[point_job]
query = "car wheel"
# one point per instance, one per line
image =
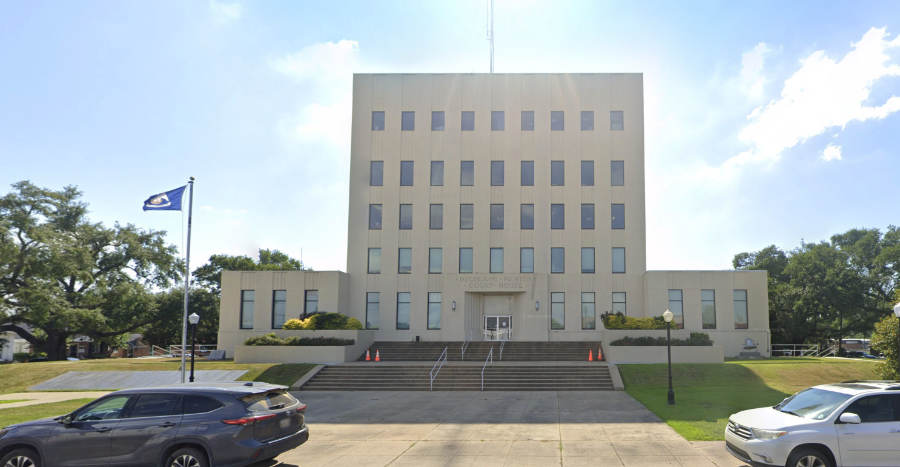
(187, 457)
(21, 458)
(809, 457)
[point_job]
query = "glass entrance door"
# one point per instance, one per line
(497, 327)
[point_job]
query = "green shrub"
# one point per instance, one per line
(28, 357)
(620, 321)
(884, 340)
(272, 339)
(696, 339)
(294, 324)
(353, 323)
(328, 321)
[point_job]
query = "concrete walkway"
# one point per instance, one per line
(100, 380)
(46, 397)
(605, 428)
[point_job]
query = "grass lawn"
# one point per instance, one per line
(34, 412)
(706, 394)
(10, 401)
(17, 377)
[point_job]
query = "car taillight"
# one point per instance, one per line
(248, 420)
(302, 408)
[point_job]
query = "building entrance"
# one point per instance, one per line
(497, 328)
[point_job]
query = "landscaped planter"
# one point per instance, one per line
(307, 353)
(657, 354)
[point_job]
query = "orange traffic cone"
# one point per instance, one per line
(377, 356)
(590, 355)
(368, 356)
(599, 354)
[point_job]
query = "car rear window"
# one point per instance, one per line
(200, 404)
(272, 400)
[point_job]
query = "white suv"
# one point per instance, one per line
(856, 423)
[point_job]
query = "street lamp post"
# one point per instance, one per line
(667, 315)
(194, 318)
(897, 313)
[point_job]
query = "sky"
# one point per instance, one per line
(765, 122)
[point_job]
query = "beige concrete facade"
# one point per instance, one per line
(384, 131)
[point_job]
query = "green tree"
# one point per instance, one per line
(167, 328)
(209, 275)
(62, 275)
(884, 341)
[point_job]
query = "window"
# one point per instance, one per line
(587, 122)
(468, 121)
(437, 120)
(406, 216)
(279, 300)
(617, 173)
(557, 173)
(877, 408)
(587, 216)
(310, 302)
(496, 260)
(557, 260)
(618, 260)
(402, 310)
(378, 120)
(374, 261)
(557, 310)
(248, 297)
(526, 260)
(436, 216)
(617, 214)
(467, 173)
(435, 260)
(708, 308)
(404, 261)
(741, 320)
(496, 173)
(374, 217)
(376, 173)
(108, 408)
(588, 311)
(618, 302)
(498, 122)
(528, 120)
(199, 404)
(155, 405)
(407, 120)
(406, 173)
(466, 216)
(527, 173)
(616, 120)
(434, 310)
(557, 120)
(557, 216)
(677, 308)
(587, 173)
(496, 217)
(437, 173)
(373, 303)
(526, 216)
(587, 260)
(465, 260)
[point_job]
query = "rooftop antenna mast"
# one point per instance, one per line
(490, 30)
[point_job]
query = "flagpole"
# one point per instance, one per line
(187, 279)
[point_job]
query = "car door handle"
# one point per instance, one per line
(168, 424)
(102, 429)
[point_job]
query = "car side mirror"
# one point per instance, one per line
(848, 417)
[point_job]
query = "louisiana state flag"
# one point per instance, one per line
(166, 201)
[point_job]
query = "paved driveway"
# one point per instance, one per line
(606, 428)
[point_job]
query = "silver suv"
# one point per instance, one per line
(855, 423)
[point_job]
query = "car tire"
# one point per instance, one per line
(22, 457)
(809, 457)
(186, 457)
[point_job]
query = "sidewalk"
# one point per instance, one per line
(46, 397)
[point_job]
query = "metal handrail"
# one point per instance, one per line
(435, 369)
(795, 350)
(502, 344)
(490, 357)
(462, 350)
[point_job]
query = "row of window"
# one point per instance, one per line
(526, 260)
(557, 308)
(498, 120)
(498, 177)
(497, 216)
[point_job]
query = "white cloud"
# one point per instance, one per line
(225, 12)
(821, 95)
(752, 80)
(832, 152)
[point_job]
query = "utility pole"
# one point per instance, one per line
(490, 30)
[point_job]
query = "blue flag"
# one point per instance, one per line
(168, 201)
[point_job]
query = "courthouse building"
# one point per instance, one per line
(498, 206)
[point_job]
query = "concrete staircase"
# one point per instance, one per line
(513, 351)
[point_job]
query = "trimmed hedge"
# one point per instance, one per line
(327, 321)
(696, 339)
(620, 321)
(272, 339)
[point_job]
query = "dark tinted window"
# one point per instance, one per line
(587, 120)
(527, 173)
(528, 120)
(104, 409)
(498, 123)
(557, 173)
(374, 217)
(406, 173)
(496, 173)
(437, 173)
(616, 120)
(466, 216)
(557, 260)
(879, 408)
(587, 216)
(200, 404)
(407, 121)
(526, 214)
(557, 216)
(617, 213)
(406, 216)
(437, 120)
(468, 120)
(587, 173)
(557, 120)
(376, 173)
(617, 173)
(436, 217)
(467, 173)
(378, 120)
(496, 216)
(155, 405)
